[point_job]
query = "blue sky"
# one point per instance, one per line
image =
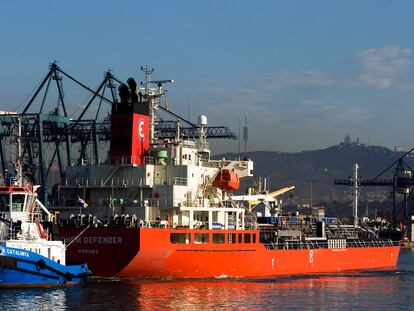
(306, 72)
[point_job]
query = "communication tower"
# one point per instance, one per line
(245, 134)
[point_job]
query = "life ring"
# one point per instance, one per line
(40, 265)
(68, 276)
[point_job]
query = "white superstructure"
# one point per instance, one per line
(174, 185)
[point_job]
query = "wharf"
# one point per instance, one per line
(409, 244)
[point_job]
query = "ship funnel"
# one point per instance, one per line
(130, 121)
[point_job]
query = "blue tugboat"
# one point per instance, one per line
(31, 255)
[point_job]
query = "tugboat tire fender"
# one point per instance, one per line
(40, 265)
(68, 276)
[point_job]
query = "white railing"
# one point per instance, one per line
(119, 181)
(212, 163)
(114, 160)
(324, 244)
(197, 225)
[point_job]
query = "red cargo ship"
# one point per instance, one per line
(162, 208)
(149, 253)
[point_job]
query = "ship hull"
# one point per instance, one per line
(24, 268)
(149, 253)
(107, 250)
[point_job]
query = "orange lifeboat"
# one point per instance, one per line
(227, 180)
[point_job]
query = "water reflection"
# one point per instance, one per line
(341, 292)
(379, 290)
(347, 291)
(33, 299)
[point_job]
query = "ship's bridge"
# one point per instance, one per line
(15, 202)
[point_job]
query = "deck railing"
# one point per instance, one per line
(324, 244)
(119, 182)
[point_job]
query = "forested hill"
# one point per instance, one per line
(321, 167)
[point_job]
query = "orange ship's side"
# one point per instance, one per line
(183, 253)
(159, 258)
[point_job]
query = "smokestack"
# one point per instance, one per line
(130, 138)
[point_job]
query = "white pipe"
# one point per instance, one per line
(49, 215)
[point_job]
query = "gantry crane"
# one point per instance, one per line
(49, 138)
(401, 183)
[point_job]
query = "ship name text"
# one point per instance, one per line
(93, 240)
(17, 252)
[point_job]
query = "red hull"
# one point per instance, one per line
(108, 250)
(149, 253)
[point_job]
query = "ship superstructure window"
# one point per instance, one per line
(240, 238)
(18, 202)
(254, 237)
(4, 202)
(180, 238)
(201, 238)
(247, 238)
(218, 238)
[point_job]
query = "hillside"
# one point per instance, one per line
(321, 167)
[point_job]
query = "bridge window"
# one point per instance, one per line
(201, 238)
(18, 202)
(4, 202)
(218, 238)
(180, 238)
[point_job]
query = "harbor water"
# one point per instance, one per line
(376, 290)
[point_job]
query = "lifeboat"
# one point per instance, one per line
(227, 180)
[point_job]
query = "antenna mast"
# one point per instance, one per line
(245, 134)
(18, 165)
(152, 96)
(153, 105)
(355, 194)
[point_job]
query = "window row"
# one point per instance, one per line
(214, 238)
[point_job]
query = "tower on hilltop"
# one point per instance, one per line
(347, 139)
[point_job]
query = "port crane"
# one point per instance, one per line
(401, 183)
(53, 140)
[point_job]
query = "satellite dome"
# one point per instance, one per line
(202, 120)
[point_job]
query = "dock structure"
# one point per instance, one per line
(54, 140)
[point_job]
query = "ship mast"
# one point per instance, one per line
(18, 164)
(355, 194)
(153, 105)
(152, 96)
